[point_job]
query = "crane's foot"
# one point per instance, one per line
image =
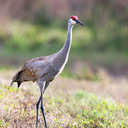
(45, 123)
(37, 111)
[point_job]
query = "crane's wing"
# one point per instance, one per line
(32, 70)
(39, 66)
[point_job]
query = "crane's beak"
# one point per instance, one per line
(79, 22)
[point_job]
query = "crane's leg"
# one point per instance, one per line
(37, 111)
(42, 106)
(43, 85)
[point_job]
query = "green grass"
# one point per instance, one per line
(89, 111)
(22, 38)
(75, 110)
(22, 41)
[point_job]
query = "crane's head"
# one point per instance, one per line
(74, 19)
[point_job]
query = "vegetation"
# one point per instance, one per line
(27, 40)
(23, 41)
(26, 37)
(40, 29)
(75, 110)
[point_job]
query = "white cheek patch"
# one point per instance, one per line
(73, 22)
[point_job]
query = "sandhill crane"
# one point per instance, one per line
(43, 70)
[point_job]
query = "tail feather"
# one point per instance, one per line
(11, 83)
(17, 78)
(19, 83)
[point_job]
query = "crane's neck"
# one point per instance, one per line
(61, 57)
(66, 48)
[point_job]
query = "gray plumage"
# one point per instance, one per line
(43, 70)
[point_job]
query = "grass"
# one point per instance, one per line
(77, 109)
(21, 40)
